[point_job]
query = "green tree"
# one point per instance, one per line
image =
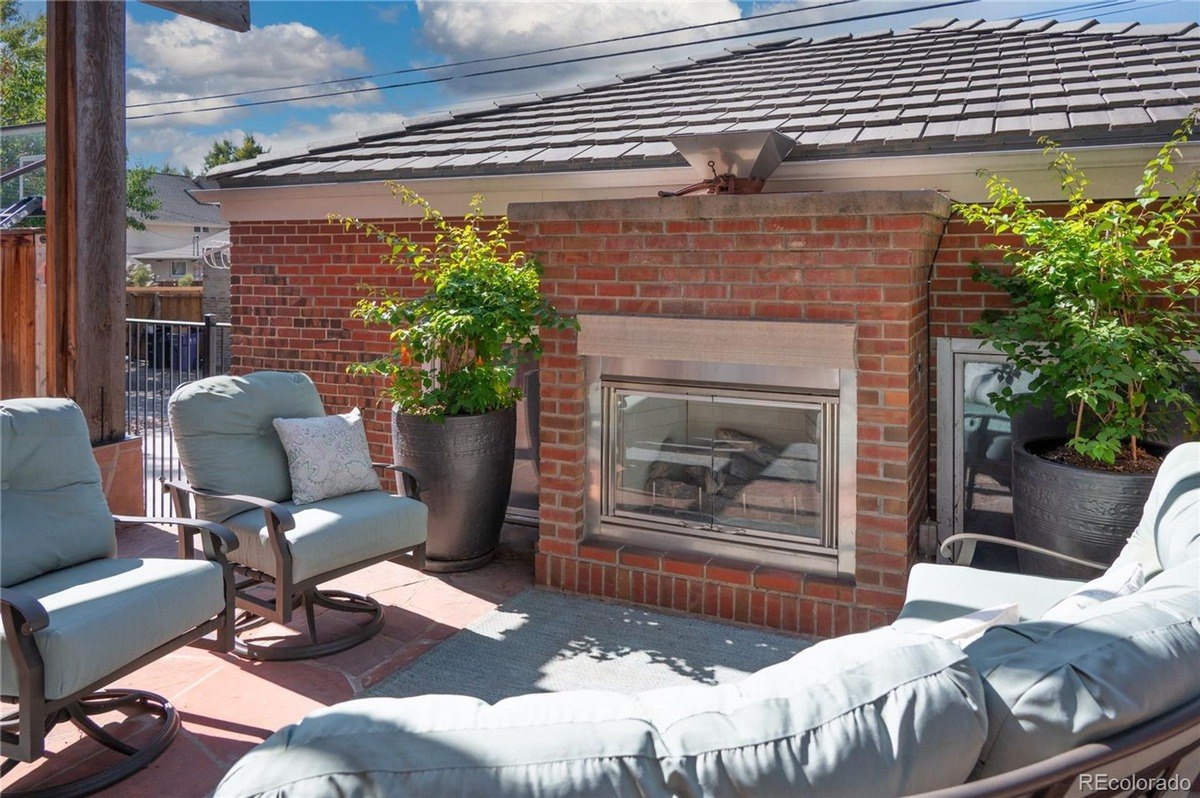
(140, 201)
(1101, 301)
(22, 98)
(139, 274)
(23, 101)
(22, 66)
(225, 151)
(168, 169)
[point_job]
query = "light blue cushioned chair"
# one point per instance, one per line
(237, 475)
(76, 617)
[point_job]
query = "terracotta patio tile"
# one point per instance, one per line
(229, 705)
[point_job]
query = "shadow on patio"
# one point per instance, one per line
(228, 705)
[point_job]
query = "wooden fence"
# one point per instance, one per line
(23, 321)
(176, 303)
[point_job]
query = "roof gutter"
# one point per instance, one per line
(1114, 170)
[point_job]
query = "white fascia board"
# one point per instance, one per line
(1114, 172)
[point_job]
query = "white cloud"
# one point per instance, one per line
(181, 57)
(337, 125)
(388, 14)
(188, 148)
(463, 31)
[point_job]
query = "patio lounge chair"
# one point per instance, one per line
(237, 475)
(76, 617)
(1025, 710)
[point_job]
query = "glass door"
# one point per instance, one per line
(723, 464)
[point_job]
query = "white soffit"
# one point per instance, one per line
(1113, 170)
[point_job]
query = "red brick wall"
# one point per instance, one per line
(293, 285)
(295, 282)
(861, 258)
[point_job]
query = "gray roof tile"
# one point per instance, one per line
(944, 84)
(176, 204)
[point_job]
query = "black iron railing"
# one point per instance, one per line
(159, 357)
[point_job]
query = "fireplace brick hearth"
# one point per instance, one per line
(859, 257)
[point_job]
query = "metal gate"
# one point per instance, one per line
(159, 357)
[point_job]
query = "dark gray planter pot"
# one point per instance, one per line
(465, 469)
(1076, 511)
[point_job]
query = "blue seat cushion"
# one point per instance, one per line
(105, 614)
(333, 533)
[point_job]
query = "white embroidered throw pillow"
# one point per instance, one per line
(1119, 580)
(327, 456)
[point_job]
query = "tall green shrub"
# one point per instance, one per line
(456, 348)
(1103, 308)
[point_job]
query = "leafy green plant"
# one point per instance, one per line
(186, 281)
(455, 349)
(1103, 308)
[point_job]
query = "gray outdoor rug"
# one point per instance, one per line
(540, 641)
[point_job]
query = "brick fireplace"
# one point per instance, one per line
(828, 287)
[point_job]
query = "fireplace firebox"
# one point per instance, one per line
(738, 460)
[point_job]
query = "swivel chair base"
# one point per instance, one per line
(80, 713)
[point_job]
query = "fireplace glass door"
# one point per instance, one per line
(720, 464)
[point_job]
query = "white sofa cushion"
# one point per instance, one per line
(1053, 686)
(1118, 580)
(939, 593)
(1168, 533)
(881, 713)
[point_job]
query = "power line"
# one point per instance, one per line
(1102, 4)
(491, 59)
(575, 60)
(1140, 8)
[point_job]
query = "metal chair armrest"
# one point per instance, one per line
(283, 517)
(224, 539)
(412, 486)
(28, 613)
(968, 552)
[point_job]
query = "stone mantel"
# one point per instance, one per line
(766, 343)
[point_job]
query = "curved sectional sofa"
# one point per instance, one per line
(894, 711)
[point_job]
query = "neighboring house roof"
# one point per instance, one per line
(177, 205)
(940, 86)
(189, 251)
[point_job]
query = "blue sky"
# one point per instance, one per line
(298, 42)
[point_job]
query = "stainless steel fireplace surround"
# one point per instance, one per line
(750, 462)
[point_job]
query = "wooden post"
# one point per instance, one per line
(85, 184)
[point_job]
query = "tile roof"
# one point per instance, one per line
(176, 204)
(940, 86)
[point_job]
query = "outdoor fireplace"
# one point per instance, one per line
(736, 459)
(740, 427)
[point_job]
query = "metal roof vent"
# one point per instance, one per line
(731, 162)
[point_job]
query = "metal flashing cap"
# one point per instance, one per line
(753, 154)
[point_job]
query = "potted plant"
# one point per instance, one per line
(1103, 315)
(454, 352)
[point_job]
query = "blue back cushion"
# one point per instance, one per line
(225, 438)
(52, 508)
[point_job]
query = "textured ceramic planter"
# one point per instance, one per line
(465, 469)
(1076, 511)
